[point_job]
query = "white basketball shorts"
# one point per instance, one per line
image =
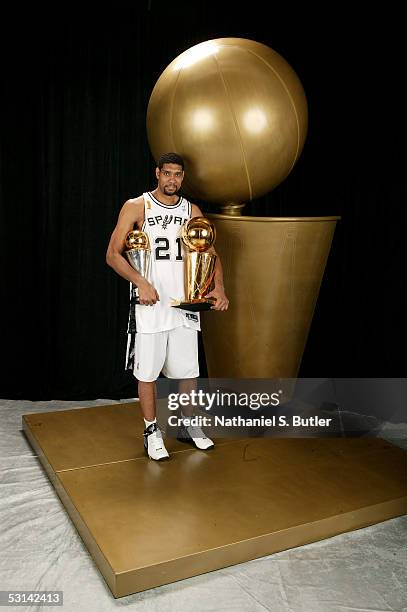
(173, 352)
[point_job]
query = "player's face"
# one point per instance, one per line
(170, 178)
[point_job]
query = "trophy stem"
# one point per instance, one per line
(232, 208)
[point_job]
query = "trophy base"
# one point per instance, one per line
(196, 305)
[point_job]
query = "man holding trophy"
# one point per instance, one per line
(172, 266)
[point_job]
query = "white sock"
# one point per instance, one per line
(148, 423)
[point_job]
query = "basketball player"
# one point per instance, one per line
(166, 339)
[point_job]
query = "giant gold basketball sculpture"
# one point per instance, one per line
(236, 111)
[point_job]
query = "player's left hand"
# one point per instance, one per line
(222, 301)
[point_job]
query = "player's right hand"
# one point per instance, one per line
(147, 294)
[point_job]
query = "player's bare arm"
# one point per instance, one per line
(218, 292)
(132, 212)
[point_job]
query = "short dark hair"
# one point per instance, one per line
(170, 158)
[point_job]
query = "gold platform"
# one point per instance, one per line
(149, 523)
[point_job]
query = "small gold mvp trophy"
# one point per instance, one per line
(198, 235)
(138, 253)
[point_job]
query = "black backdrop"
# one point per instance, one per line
(74, 148)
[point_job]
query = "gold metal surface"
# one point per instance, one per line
(231, 208)
(198, 234)
(273, 268)
(137, 239)
(147, 523)
(199, 271)
(236, 111)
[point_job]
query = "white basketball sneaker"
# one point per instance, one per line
(154, 443)
(195, 435)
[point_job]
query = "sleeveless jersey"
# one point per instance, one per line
(163, 224)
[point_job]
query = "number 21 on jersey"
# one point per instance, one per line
(163, 251)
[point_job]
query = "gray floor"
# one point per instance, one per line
(365, 570)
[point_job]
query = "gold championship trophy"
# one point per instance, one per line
(198, 235)
(138, 253)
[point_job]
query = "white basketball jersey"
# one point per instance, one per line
(163, 225)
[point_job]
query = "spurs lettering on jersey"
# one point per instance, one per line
(163, 226)
(166, 220)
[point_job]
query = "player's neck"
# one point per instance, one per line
(164, 198)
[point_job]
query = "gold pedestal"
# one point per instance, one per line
(273, 268)
(149, 523)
